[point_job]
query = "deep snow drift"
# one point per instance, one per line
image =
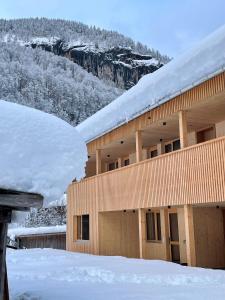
(182, 73)
(38, 152)
(59, 275)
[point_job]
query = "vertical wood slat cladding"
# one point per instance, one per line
(193, 175)
(203, 91)
(82, 200)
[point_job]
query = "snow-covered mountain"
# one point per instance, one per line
(68, 68)
(54, 84)
(117, 64)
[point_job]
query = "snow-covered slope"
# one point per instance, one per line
(54, 84)
(195, 66)
(38, 152)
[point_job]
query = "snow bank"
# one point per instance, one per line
(35, 274)
(14, 232)
(38, 152)
(188, 70)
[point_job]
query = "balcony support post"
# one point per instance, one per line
(139, 146)
(161, 148)
(183, 129)
(98, 162)
(120, 162)
(190, 237)
(165, 231)
(141, 230)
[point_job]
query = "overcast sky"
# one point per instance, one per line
(171, 26)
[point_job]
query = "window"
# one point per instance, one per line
(126, 162)
(172, 146)
(113, 165)
(176, 145)
(153, 226)
(153, 153)
(168, 148)
(81, 227)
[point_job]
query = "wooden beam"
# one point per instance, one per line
(183, 129)
(98, 162)
(190, 237)
(120, 162)
(165, 231)
(20, 200)
(160, 148)
(3, 238)
(141, 230)
(138, 145)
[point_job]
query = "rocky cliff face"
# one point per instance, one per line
(118, 64)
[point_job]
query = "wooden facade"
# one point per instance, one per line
(183, 190)
(44, 240)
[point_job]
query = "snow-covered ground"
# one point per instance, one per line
(60, 275)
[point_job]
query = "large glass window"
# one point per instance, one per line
(153, 226)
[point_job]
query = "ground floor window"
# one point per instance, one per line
(81, 227)
(153, 226)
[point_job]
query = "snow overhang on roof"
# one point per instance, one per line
(204, 61)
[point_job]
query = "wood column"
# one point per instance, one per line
(161, 148)
(5, 218)
(138, 146)
(190, 237)
(183, 129)
(165, 231)
(120, 162)
(141, 230)
(98, 162)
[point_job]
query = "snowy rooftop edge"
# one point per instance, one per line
(156, 88)
(19, 231)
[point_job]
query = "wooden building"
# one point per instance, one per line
(38, 237)
(155, 185)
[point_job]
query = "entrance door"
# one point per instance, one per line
(174, 237)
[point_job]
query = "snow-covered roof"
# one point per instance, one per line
(202, 62)
(18, 231)
(38, 152)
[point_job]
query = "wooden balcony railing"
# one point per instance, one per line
(194, 175)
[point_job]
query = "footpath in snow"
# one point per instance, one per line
(56, 274)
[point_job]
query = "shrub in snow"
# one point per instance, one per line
(38, 152)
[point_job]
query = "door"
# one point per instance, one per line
(174, 237)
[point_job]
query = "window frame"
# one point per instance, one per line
(78, 223)
(157, 227)
(115, 163)
(150, 150)
(171, 144)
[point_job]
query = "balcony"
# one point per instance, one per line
(193, 175)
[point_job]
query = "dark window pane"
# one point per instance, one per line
(126, 162)
(174, 233)
(153, 153)
(117, 165)
(85, 227)
(150, 222)
(158, 220)
(175, 251)
(168, 148)
(78, 227)
(111, 166)
(176, 145)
